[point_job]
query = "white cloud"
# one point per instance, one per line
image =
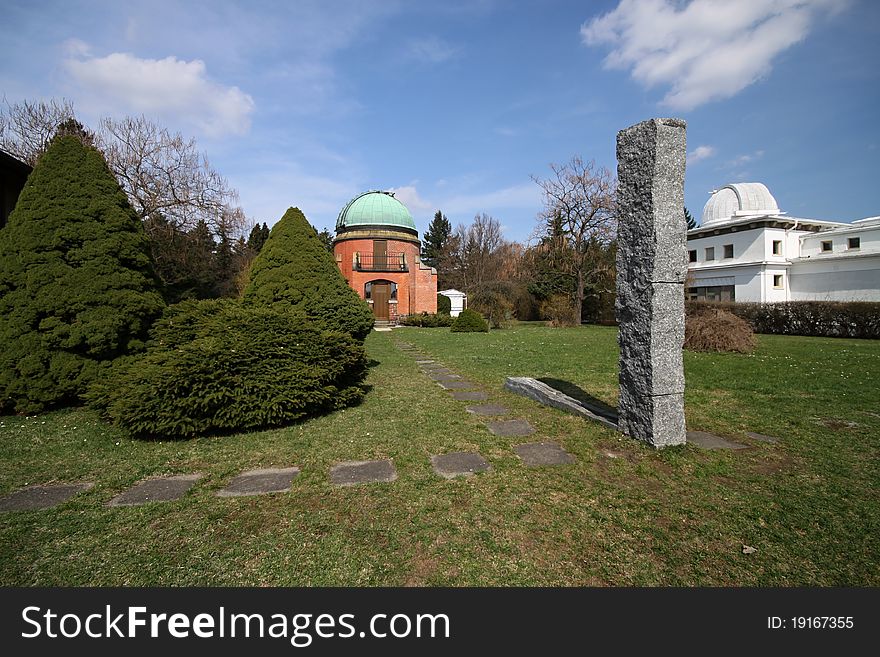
(700, 153)
(171, 89)
(409, 196)
(432, 50)
(707, 50)
(739, 160)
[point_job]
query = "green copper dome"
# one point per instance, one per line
(375, 209)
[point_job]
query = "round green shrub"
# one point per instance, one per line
(295, 270)
(469, 321)
(444, 304)
(220, 365)
(77, 285)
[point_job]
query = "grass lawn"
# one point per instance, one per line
(622, 515)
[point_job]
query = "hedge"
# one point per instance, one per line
(427, 320)
(831, 319)
(220, 366)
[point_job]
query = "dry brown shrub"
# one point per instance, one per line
(711, 329)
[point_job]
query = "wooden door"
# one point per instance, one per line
(381, 295)
(380, 254)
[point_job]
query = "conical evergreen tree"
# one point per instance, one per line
(295, 269)
(77, 286)
(435, 239)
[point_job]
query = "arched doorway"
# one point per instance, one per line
(380, 292)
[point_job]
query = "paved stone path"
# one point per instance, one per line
(459, 464)
(349, 473)
(260, 482)
(536, 454)
(711, 441)
(33, 498)
(156, 489)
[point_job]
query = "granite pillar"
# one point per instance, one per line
(651, 271)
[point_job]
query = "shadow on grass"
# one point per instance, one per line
(577, 393)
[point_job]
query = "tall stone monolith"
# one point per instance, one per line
(651, 270)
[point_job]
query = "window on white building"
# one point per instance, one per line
(777, 281)
(710, 253)
(692, 256)
(777, 247)
(827, 246)
(728, 250)
(854, 243)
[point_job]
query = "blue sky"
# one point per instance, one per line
(456, 104)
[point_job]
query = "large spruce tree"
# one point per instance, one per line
(435, 239)
(77, 286)
(294, 269)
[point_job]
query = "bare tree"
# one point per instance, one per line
(27, 127)
(165, 174)
(578, 220)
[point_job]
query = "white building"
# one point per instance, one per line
(746, 249)
(458, 300)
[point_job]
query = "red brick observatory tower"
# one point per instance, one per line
(378, 250)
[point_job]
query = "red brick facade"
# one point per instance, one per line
(416, 287)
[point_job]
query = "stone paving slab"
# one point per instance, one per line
(707, 440)
(510, 427)
(156, 489)
(424, 361)
(488, 409)
(469, 395)
(537, 454)
(259, 482)
(762, 438)
(443, 377)
(33, 498)
(457, 385)
(459, 464)
(349, 473)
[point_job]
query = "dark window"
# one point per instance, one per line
(777, 247)
(777, 281)
(710, 253)
(827, 246)
(692, 256)
(728, 250)
(854, 242)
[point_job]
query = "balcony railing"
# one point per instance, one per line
(380, 262)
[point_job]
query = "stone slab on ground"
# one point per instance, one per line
(156, 489)
(549, 396)
(443, 377)
(458, 464)
(33, 498)
(349, 473)
(536, 454)
(259, 482)
(457, 385)
(469, 395)
(706, 440)
(488, 409)
(510, 427)
(424, 361)
(760, 437)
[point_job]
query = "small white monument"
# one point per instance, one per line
(458, 300)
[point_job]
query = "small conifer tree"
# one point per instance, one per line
(294, 269)
(77, 285)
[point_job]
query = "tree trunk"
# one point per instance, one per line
(579, 306)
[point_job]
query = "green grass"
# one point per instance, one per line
(622, 515)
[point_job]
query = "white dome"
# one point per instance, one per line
(738, 200)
